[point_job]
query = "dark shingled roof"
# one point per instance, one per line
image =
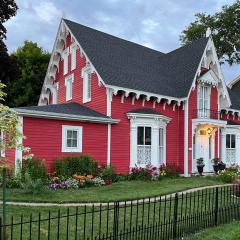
(65, 108)
(145, 111)
(234, 94)
(126, 64)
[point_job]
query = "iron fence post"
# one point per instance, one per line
(175, 216)
(115, 220)
(216, 208)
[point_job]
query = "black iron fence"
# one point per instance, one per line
(168, 217)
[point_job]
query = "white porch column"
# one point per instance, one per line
(186, 138)
(223, 145)
(238, 148)
(155, 147)
(18, 151)
(133, 146)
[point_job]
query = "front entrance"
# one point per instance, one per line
(204, 145)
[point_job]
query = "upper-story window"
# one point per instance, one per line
(69, 87)
(87, 84)
(65, 61)
(204, 101)
(73, 56)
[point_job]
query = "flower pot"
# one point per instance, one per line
(108, 181)
(200, 170)
(216, 169)
(222, 166)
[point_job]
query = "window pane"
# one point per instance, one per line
(74, 143)
(233, 141)
(69, 134)
(69, 143)
(148, 135)
(228, 141)
(74, 135)
(140, 135)
(89, 85)
(160, 137)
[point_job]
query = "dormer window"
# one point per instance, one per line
(204, 101)
(73, 56)
(65, 61)
(69, 87)
(87, 75)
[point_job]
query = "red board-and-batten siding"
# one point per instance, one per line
(192, 106)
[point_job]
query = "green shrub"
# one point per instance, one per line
(36, 168)
(108, 173)
(123, 177)
(14, 182)
(32, 186)
(82, 165)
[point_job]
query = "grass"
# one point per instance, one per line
(120, 191)
(130, 216)
(224, 232)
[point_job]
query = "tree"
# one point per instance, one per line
(8, 64)
(32, 61)
(225, 26)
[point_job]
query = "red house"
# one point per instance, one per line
(126, 104)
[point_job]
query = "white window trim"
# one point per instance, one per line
(73, 50)
(201, 111)
(65, 128)
(69, 82)
(85, 71)
(65, 61)
(155, 122)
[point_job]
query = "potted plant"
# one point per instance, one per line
(215, 162)
(221, 165)
(200, 165)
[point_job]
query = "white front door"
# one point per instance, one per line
(205, 150)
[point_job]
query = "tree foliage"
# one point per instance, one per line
(225, 26)
(32, 62)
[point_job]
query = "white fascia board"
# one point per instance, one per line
(50, 115)
(151, 116)
(232, 82)
(201, 121)
(210, 42)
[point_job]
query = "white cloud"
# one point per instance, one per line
(47, 11)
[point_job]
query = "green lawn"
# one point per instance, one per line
(224, 232)
(98, 220)
(119, 191)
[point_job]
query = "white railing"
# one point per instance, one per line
(143, 154)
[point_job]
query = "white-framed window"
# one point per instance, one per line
(204, 101)
(71, 138)
(69, 87)
(87, 85)
(65, 61)
(144, 142)
(73, 56)
(231, 148)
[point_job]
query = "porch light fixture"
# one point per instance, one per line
(209, 131)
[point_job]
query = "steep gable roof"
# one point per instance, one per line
(129, 65)
(234, 93)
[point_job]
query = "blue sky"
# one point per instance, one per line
(153, 23)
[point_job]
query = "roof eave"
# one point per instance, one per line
(63, 116)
